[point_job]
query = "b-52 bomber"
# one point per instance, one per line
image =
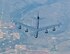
(37, 29)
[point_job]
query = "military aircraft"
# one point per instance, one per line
(20, 25)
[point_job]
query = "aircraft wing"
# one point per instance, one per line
(26, 26)
(48, 27)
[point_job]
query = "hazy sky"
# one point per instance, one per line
(51, 12)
